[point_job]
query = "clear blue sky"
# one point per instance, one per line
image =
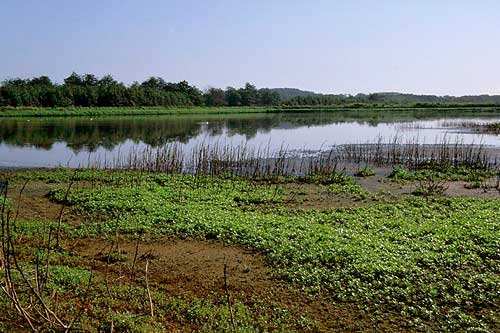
(420, 46)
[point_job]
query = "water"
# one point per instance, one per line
(73, 142)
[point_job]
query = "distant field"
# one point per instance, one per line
(111, 111)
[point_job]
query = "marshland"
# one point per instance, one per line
(249, 166)
(232, 223)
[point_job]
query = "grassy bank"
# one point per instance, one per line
(125, 111)
(347, 256)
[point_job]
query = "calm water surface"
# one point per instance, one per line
(72, 142)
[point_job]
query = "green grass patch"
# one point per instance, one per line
(133, 111)
(441, 172)
(365, 172)
(126, 111)
(63, 278)
(348, 187)
(434, 261)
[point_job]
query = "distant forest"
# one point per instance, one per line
(90, 91)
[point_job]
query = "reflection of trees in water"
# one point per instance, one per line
(90, 135)
(80, 134)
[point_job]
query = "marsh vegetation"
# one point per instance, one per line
(213, 236)
(137, 251)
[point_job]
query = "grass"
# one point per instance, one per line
(432, 261)
(122, 111)
(125, 111)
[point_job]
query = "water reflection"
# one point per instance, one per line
(67, 138)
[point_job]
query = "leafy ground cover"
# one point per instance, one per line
(445, 172)
(431, 262)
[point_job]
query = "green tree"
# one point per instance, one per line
(232, 97)
(214, 97)
(249, 95)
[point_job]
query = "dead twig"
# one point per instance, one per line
(59, 221)
(228, 296)
(149, 291)
(136, 253)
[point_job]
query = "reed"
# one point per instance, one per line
(487, 127)
(217, 159)
(414, 155)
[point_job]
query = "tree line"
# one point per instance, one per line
(391, 99)
(87, 90)
(90, 91)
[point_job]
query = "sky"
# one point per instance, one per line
(443, 47)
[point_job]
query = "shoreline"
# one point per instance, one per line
(155, 111)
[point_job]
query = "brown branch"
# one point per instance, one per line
(62, 212)
(136, 253)
(149, 291)
(228, 296)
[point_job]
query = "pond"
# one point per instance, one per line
(49, 142)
